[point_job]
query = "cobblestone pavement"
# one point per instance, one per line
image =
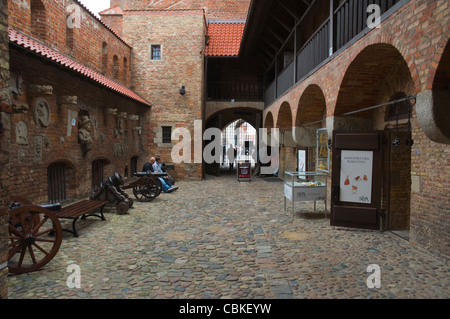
(219, 238)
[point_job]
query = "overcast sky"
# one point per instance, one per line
(96, 5)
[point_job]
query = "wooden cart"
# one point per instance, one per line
(146, 186)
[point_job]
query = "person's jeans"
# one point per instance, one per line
(166, 184)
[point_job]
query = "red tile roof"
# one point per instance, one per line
(26, 42)
(224, 38)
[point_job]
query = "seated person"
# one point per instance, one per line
(166, 184)
(160, 167)
(148, 167)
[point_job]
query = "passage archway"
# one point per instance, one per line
(239, 128)
(377, 76)
(311, 115)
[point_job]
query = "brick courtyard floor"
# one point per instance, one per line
(223, 239)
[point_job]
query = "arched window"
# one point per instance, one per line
(115, 67)
(69, 37)
(38, 20)
(104, 58)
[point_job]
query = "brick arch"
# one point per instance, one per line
(311, 106)
(441, 80)
(284, 118)
(436, 126)
(367, 75)
(268, 121)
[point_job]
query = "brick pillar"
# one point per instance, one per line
(5, 110)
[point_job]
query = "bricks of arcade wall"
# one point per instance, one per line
(87, 39)
(160, 81)
(5, 109)
(419, 31)
(28, 168)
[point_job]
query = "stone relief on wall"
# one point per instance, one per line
(39, 90)
(38, 148)
(16, 90)
(84, 133)
(19, 107)
(42, 112)
(21, 133)
(15, 85)
(21, 155)
(71, 100)
(120, 124)
(118, 150)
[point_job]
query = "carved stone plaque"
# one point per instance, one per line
(38, 148)
(42, 112)
(21, 133)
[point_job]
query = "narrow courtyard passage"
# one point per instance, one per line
(219, 238)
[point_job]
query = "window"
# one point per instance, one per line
(167, 134)
(116, 67)
(69, 38)
(155, 51)
(125, 70)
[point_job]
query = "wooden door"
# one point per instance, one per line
(356, 179)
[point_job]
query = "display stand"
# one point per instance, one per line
(244, 171)
(305, 187)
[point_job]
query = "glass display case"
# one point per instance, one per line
(305, 187)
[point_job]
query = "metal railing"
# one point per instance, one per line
(350, 20)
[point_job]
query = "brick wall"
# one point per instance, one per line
(83, 42)
(35, 147)
(229, 9)
(182, 64)
(4, 148)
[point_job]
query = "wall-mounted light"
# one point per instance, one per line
(183, 90)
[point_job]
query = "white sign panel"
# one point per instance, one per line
(356, 176)
(305, 194)
(302, 161)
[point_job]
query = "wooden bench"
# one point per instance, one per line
(83, 209)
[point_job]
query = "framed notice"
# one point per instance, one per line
(356, 176)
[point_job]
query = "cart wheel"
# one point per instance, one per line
(30, 246)
(146, 191)
(122, 208)
(160, 187)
